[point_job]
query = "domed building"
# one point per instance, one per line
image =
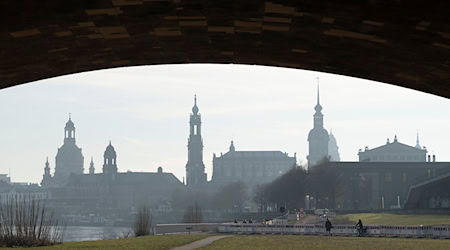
(333, 149)
(318, 137)
(69, 159)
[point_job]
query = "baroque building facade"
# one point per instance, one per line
(250, 167)
(112, 191)
(394, 152)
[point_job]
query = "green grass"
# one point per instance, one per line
(394, 219)
(325, 242)
(147, 242)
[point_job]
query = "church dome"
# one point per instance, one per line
(110, 151)
(318, 133)
(332, 139)
(69, 152)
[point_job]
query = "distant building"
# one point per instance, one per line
(318, 137)
(112, 190)
(69, 159)
(333, 149)
(195, 168)
(5, 178)
(250, 167)
(382, 185)
(394, 152)
(22, 193)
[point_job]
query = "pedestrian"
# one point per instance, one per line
(360, 227)
(328, 226)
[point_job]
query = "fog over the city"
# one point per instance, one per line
(144, 111)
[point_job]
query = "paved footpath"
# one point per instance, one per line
(201, 243)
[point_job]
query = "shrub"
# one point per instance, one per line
(143, 222)
(28, 223)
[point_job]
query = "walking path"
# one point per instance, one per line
(201, 243)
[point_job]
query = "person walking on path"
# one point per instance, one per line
(328, 226)
(360, 228)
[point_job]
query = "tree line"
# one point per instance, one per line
(323, 182)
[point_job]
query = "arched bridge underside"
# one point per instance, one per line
(402, 42)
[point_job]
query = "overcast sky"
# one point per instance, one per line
(145, 111)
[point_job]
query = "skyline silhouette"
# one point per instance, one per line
(145, 112)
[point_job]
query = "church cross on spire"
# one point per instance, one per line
(318, 96)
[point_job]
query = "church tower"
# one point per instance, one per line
(418, 142)
(69, 159)
(110, 163)
(91, 167)
(47, 169)
(318, 137)
(47, 178)
(195, 169)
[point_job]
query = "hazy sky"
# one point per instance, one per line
(145, 111)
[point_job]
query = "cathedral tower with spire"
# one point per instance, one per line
(195, 168)
(318, 137)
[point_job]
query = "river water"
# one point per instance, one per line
(80, 233)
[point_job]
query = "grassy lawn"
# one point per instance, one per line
(148, 242)
(325, 242)
(394, 219)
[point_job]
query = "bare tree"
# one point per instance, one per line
(326, 183)
(143, 221)
(259, 197)
(287, 190)
(231, 197)
(28, 223)
(193, 214)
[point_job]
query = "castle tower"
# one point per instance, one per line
(195, 169)
(69, 159)
(110, 163)
(318, 137)
(91, 167)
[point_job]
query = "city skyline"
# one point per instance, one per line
(274, 120)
